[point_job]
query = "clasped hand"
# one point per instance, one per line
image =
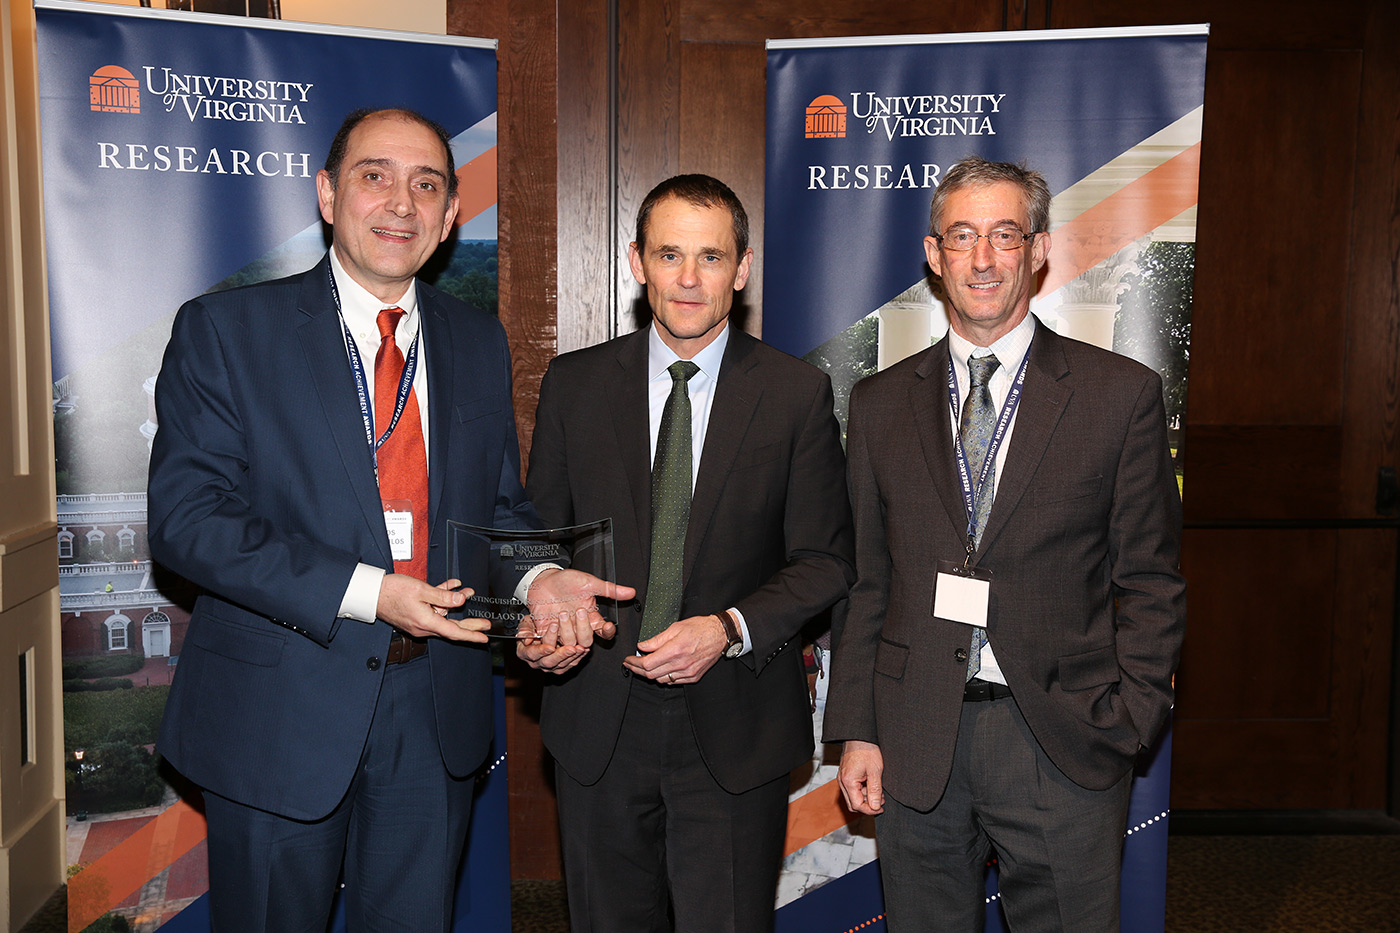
(682, 653)
(564, 618)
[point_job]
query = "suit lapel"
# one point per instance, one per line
(1043, 401)
(736, 399)
(440, 355)
(627, 397)
(323, 342)
(928, 400)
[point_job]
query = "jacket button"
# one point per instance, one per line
(626, 672)
(637, 607)
(960, 655)
(372, 664)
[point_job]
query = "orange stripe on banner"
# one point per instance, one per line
(476, 186)
(123, 871)
(815, 814)
(1133, 211)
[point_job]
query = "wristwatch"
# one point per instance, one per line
(731, 631)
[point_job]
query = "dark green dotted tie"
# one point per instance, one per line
(670, 504)
(979, 419)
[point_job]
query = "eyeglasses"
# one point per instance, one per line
(962, 239)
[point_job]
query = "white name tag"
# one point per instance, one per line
(399, 523)
(962, 594)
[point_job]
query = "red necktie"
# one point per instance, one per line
(403, 458)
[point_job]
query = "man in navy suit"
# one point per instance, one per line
(328, 704)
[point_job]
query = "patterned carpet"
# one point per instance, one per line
(1283, 884)
(1215, 884)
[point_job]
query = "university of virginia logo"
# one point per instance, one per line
(826, 118)
(114, 89)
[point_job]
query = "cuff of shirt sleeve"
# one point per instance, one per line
(743, 630)
(522, 589)
(361, 600)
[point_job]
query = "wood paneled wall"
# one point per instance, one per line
(1285, 686)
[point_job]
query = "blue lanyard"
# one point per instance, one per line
(1008, 408)
(357, 368)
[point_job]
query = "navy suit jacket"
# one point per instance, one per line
(262, 491)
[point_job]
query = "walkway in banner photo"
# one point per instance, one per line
(170, 890)
(821, 846)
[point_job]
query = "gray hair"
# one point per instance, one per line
(975, 172)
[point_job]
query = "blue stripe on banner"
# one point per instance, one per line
(852, 902)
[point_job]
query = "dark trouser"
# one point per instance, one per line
(1059, 846)
(398, 833)
(657, 832)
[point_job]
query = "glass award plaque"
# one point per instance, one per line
(491, 562)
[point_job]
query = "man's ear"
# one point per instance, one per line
(452, 207)
(1040, 251)
(935, 258)
(325, 196)
(634, 259)
(745, 266)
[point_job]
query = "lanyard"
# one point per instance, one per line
(1008, 408)
(357, 368)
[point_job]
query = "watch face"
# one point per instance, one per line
(733, 651)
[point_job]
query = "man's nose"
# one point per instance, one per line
(983, 255)
(401, 199)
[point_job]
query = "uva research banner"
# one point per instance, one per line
(859, 133)
(180, 152)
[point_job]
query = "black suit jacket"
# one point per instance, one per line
(262, 491)
(1087, 604)
(770, 533)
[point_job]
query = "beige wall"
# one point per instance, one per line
(409, 15)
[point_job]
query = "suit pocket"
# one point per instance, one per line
(757, 456)
(1091, 669)
(1065, 492)
(218, 632)
(479, 408)
(890, 659)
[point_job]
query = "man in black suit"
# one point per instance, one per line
(1018, 612)
(719, 461)
(326, 702)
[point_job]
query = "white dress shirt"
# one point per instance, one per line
(360, 311)
(1010, 350)
(702, 400)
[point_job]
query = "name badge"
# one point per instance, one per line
(398, 521)
(961, 594)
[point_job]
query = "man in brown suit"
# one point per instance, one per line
(1013, 630)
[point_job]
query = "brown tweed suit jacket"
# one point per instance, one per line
(1087, 604)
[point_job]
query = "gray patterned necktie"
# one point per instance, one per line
(670, 504)
(979, 418)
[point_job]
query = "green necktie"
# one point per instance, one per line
(670, 505)
(979, 419)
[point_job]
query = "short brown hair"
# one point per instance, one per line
(700, 191)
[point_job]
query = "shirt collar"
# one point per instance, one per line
(361, 309)
(660, 356)
(1010, 349)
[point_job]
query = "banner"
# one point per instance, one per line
(180, 153)
(859, 133)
